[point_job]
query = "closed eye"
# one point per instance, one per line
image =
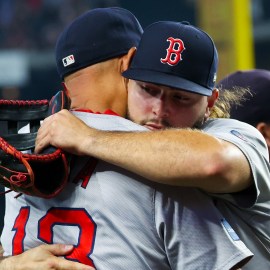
(181, 97)
(150, 91)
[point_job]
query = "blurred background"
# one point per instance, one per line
(29, 29)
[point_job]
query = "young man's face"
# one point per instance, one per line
(158, 107)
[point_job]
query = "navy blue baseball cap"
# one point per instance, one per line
(178, 55)
(97, 35)
(253, 109)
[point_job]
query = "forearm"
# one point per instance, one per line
(4, 263)
(176, 157)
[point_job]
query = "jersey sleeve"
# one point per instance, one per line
(251, 142)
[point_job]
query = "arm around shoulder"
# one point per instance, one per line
(180, 157)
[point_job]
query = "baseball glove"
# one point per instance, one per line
(42, 175)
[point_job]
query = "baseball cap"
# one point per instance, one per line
(95, 36)
(256, 108)
(175, 54)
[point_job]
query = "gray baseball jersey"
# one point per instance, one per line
(118, 220)
(248, 211)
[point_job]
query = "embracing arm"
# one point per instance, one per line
(44, 257)
(176, 157)
(181, 157)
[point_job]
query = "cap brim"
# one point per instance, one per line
(167, 80)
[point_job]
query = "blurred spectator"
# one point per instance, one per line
(255, 110)
(35, 24)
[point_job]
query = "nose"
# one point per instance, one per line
(160, 108)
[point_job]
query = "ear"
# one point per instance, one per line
(125, 63)
(212, 99)
(65, 89)
(211, 102)
(264, 128)
(127, 59)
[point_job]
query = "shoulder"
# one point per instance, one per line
(227, 123)
(252, 144)
(244, 136)
(235, 131)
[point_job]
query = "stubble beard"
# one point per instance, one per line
(197, 125)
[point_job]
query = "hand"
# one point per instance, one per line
(43, 257)
(62, 130)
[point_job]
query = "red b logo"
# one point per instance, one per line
(174, 51)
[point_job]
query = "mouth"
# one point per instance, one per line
(153, 126)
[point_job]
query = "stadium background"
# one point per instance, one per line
(29, 28)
